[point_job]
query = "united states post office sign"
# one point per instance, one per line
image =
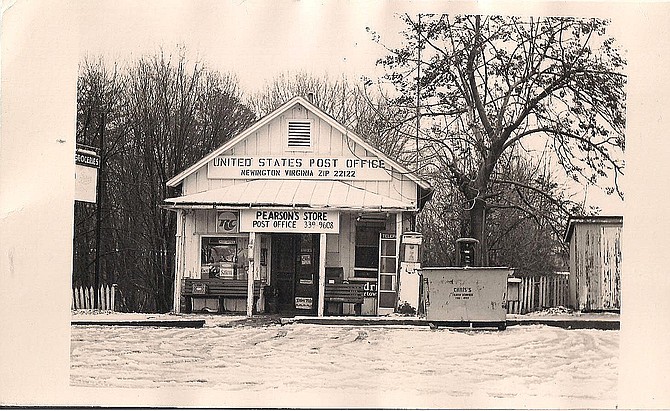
(303, 168)
(290, 221)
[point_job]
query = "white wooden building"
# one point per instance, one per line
(289, 210)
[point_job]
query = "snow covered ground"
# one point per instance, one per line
(273, 365)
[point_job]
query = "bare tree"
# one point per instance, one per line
(99, 100)
(491, 85)
(165, 115)
(525, 226)
(348, 102)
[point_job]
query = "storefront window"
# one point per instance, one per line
(224, 257)
(366, 260)
(307, 269)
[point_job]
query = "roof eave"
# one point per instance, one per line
(213, 205)
(572, 221)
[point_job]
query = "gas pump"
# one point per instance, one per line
(410, 271)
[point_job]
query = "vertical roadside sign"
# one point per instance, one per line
(87, 163)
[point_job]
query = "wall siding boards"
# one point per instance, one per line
(572, 279)
(595, 267)
(327, 141)
(611, 275)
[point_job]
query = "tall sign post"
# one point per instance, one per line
(87, 181)
(98, 214)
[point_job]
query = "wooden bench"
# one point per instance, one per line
(345, 293)
(216, 288)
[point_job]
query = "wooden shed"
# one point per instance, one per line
(595, 262)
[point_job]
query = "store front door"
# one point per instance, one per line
(295, 267)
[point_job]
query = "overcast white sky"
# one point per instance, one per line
(257, 40)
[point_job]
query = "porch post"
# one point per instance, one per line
(179, 255)
(250, 274)
(398, 239)
(322, 273)
(260, 307)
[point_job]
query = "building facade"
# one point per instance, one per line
(595, 262)
(293, 215)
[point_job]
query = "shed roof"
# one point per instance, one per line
(176, 180)
(290, 193)
(596, 219)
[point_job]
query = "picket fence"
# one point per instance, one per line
(83, 297)
(535, 293)
(540, 292)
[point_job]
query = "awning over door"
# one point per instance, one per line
(290, 193)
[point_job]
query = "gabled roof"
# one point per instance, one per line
(176, 180)
(594, 219)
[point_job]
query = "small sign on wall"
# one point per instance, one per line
(306, 259)
(199, 289)
(290, 221)
(370, 289)
(303, 303)
(227, 222)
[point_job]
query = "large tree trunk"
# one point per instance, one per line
(478, 231)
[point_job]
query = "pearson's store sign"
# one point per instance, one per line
(290, 221)
(306, 168)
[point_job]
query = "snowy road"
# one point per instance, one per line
(522, 366)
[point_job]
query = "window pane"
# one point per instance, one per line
(365, 274)
(224, 257)
(367, 236)
(386, 282)
(387, 300)
(388, 247)
(387, 265)
(367, 244)
(306, 243)
(366, 257)
(367, 232)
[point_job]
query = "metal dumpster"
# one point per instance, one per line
(466, 296)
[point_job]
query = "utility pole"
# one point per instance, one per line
(98, 214)
(418, 91)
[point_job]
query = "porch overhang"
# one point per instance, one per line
(290, 193)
